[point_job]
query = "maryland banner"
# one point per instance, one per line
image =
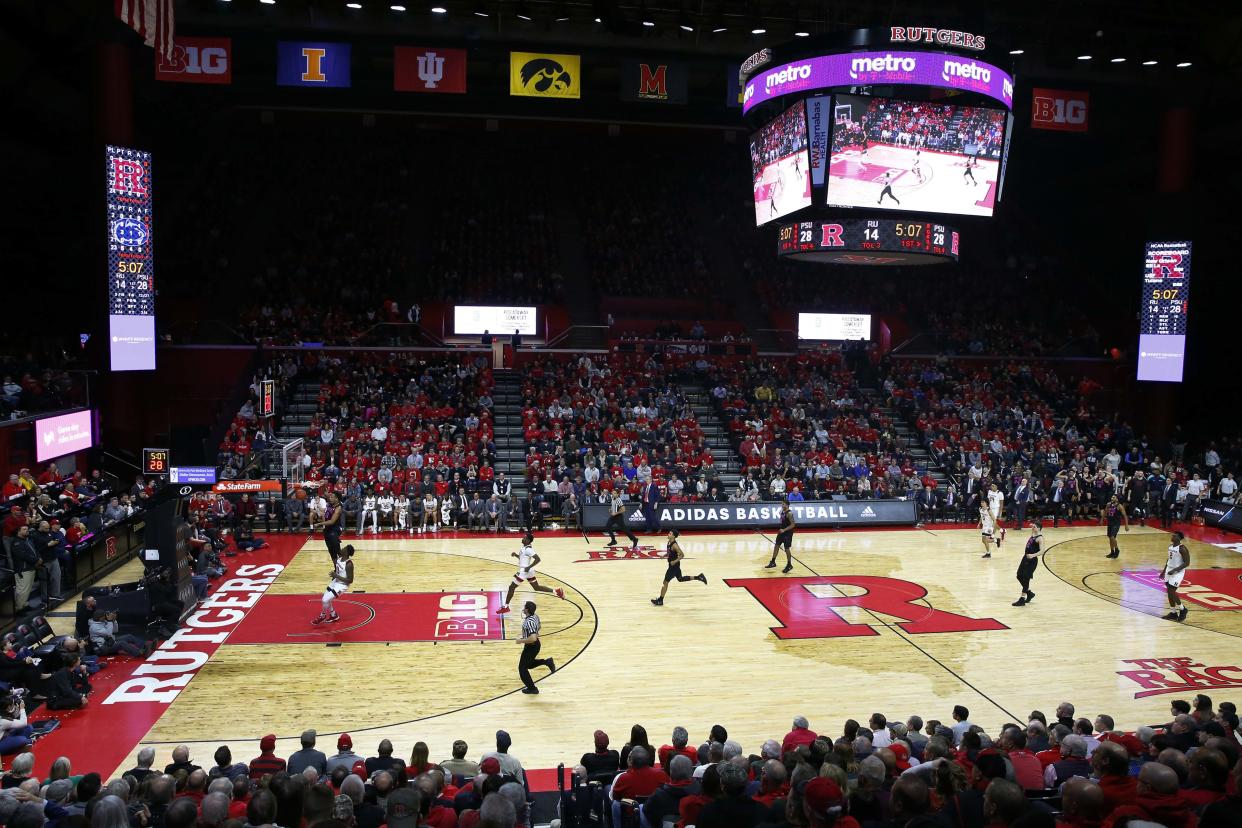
(653, 80)
(534, 75)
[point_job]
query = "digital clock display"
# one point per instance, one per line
(862, 241)
(131, 260)
(155, 461)
(1162, 314)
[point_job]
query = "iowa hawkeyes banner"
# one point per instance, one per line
(545, 76)
(655, 80)
(767, 514)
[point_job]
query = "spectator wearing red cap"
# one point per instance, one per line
(267, 761)
(902, 754)
(603, 764)
(345, 756)
(800, 735)
(825, 806)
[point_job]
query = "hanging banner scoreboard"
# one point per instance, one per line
(1162, 316)
(131, 260)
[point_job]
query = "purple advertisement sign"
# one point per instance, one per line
(1161, 357)
(65, 434)
(132, 342)
(865, 68)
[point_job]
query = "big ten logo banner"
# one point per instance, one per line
(1059, 109)
(300, 63)
(654, 80)
(807, 607)
(428, 69)
(534, 75)
(197, 60)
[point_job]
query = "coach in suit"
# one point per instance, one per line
(1168, 502)
(951, 503)
(1021, 499)
(478, 513)
(927, 505)
(650, 507)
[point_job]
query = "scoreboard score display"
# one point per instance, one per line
(869, 241)
(131, 261)
(1162, 316)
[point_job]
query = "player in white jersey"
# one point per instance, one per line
(368, 508)
(916, 168)
(1173, 573)
(338, 584)
(402, 505)
(528, 559)
(386, 502)
(430, 512)
(987, 526)
(996, 505)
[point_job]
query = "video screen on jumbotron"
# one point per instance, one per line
(913, 155)
(780, 162)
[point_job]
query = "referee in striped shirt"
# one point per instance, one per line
(530, 648)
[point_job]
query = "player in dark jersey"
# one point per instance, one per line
(887, 181)
(784, 537)
(674, 555)
(971, 163)
(1115, 514)
(1030, 562)
(331, 526)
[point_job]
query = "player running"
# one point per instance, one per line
(987, 525)
(916, 168)
(340, 579)
(1030, 562)
(1115, 514)
(971, 163)
(674, 555)
(527, 561)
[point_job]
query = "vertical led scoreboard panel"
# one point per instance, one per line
(1162, 317)
(131, 260)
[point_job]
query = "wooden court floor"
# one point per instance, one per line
(900, 622)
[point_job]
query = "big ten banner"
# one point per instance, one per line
(655, 80)
(1059, 109)
(817, 113)
(197, 60)
(429, 69)
(733, 88)
(534, 75)
(301, 63)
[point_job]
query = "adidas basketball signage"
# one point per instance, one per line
(429, 69)
(807, 513)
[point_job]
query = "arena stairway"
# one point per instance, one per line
(299, 409)
(507, 429)
(724, 453)
(906, 432)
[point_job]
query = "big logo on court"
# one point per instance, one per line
(807, 607)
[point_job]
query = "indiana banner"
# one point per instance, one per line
(197, 60)
(536, 75)
(426, 69)
(301, 63)
(654, 80)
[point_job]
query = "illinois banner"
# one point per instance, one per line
(545, 76)
(300, 63)
(653, 80)
(1059, 109)
(197, 60)
(423, 69)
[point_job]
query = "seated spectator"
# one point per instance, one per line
(106, 638)
(602, 764)
(734, 809)
(1157, 800)
(665, 801)
(267, 762)
(459, 765)
(678, 747)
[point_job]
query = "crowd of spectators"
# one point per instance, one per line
(1045, 771)
(1039, 438)
(33, 383)
(784, 136)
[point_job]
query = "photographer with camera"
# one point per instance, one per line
(104, 633)
(16, 734)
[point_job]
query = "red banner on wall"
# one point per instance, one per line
(428, 69)
(197, 60)
(1059, 109)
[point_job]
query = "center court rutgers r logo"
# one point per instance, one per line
(806, 607)
(546, 76)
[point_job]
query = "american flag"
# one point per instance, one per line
(152, 20)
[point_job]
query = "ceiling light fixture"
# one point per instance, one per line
(523, 13)
(1184, 64)
(439, 10)
(1150, 62)
(1084, 57)
(1017, 51)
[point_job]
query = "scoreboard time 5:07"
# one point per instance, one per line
(868, 234)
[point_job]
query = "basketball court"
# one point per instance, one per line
(784, 186)
(903, 621)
